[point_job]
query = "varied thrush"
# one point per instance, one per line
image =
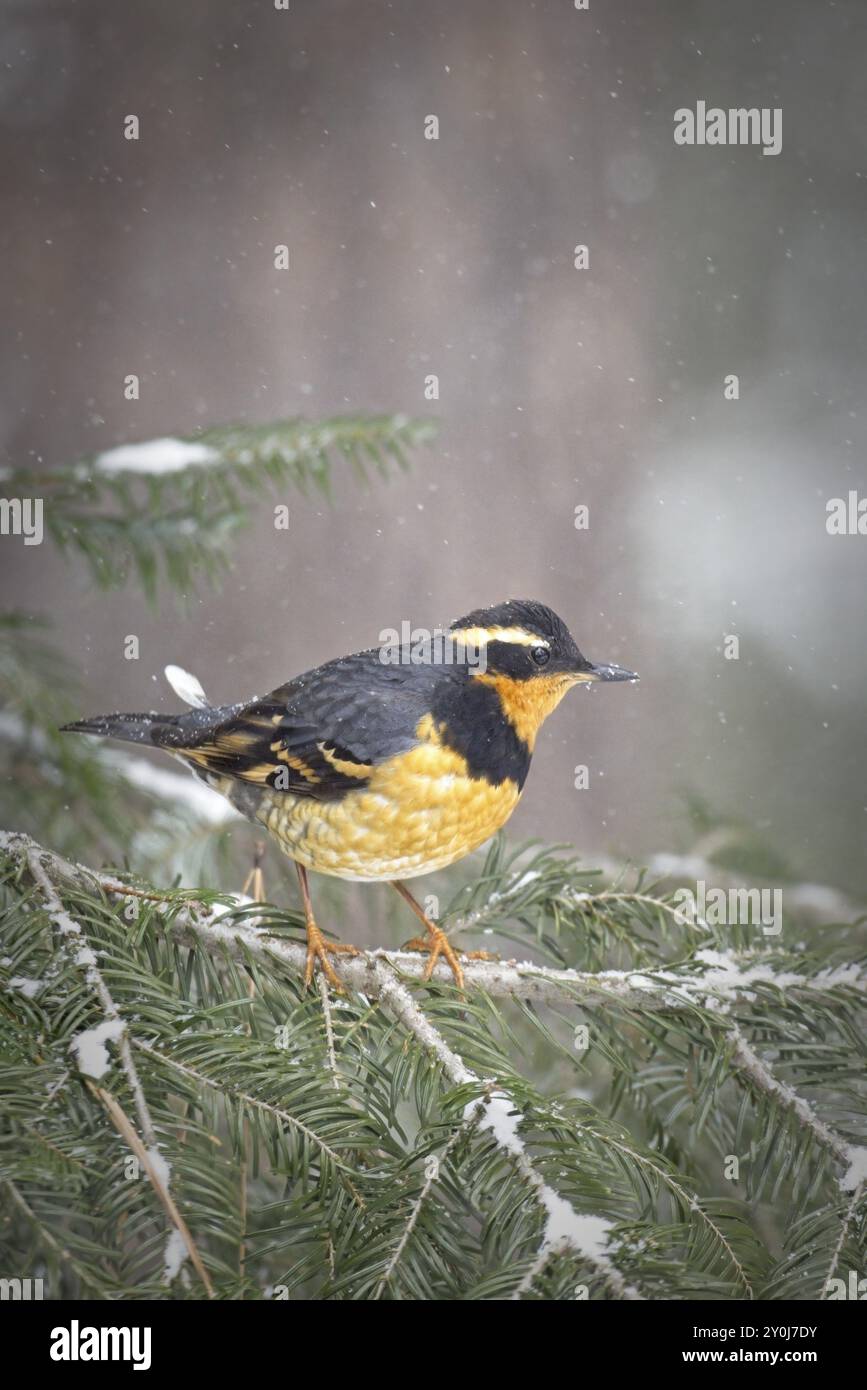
(389, 763)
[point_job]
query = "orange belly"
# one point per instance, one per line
(417, 812)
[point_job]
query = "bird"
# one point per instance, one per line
(389, 763)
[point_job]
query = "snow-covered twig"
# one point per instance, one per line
(92, 1057)
(714, 980)
(725, 976)
(155, 1167)
(89, 1047)
(747, 1060)
(564, 1228)
(329, 1031)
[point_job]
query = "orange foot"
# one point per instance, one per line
(318, 949)
(437, 944)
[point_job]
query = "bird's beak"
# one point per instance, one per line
(603, 672)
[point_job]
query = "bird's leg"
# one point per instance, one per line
(254, 883)
(437, 943)
(317, 946)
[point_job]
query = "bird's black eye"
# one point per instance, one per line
(541, 655)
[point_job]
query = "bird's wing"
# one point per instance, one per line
(322, 734)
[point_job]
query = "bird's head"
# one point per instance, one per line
(530, 658)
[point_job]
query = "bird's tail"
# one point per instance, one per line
(155, 729)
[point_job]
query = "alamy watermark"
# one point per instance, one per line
(721, 907)
(77, 1343)
(854, 1288)
(22, 516)
(23, 1290)
(739, 125)
(846, 516)
(421, 646)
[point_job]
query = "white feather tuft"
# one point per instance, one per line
(186, 687)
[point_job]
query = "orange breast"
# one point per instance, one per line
(417, 812)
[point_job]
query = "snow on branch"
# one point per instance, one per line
(565, 1228)
(174, 503)
(494, 1111)
(711, 981)
(155, 456)
(92, 1056)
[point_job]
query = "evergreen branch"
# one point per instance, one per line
(759, 1073)
(494, 1112)
(416, 1209)
(71, 935)
(74, 942)
(717, 982)
(329, 1031)
(845, 1227)
(169, 507)
(47, 1235)
(158, 1180)
(688, 1202)
(193, 1074)
(564, 1227)
(708, 975)
(495, 1136)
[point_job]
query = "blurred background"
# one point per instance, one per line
(558, 387)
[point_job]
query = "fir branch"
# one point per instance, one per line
(494, 1112)
(57, 1248)
(167, 509)
(457, 1136)
(494, 1129)
(845, 1228)
(277, 1111)
(759, 1074)
(74, 943)
(687, 1200)
(706, 976)
(325, 997)
(155, 1173)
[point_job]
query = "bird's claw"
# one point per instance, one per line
(318, 949)
(434, 945)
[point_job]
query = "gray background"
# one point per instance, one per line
(557, 387)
